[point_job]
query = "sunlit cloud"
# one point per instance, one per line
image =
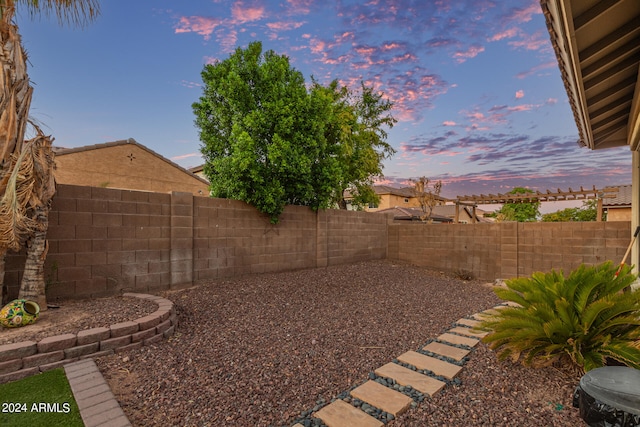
(242, 13)
(537, 68)
(448, 123)
(507, 34)
(284, 25)
(471, 52)
(197, 24)
(519, 94)
(535, 41)
(185, 156)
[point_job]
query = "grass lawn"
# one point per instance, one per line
(43, 400)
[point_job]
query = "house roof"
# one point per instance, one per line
(621, 200)
(61, 151)
(411, 214)
(597, 45)
(402, 191)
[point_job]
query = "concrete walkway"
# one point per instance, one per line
(453, 345)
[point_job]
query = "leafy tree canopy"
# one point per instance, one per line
(587, 212)
(270, 141)
(521, 212)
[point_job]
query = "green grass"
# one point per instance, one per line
(43, 400)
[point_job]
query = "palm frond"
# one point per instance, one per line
(74, 12)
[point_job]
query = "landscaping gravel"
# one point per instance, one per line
(265, 350)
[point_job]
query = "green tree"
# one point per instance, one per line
(355, 138)
(588, 212)
(270, 141)
(26, 173)
(524, 211)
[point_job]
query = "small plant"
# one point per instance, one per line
(584, 318)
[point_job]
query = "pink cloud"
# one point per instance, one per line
(535, 41)
(448, 123)
(300, 7)
(551, 101)
(534, 70)
(525, 14)
(284, 26)
(519, 94)
(242, 14)
(507, 34)
(472, 52)
(197, 24)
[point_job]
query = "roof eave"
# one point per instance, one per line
(557, 13)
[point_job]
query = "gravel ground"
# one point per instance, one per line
(260, 350)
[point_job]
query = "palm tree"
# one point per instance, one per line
(26, 167)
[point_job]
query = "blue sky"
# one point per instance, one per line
(475, 83)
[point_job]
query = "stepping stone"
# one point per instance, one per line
(457, 339)
(382, 397)
(454, 353)
(437, 366)
(469, 322)
(341, 414)
(298, 425)
(405, 377)
(469, 332)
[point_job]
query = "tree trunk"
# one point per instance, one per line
(3, 291)
(33, 287)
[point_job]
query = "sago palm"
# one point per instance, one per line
(584, 318)
(25, 199)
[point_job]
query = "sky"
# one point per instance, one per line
(475, 83)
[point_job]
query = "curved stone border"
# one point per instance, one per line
(23, 359)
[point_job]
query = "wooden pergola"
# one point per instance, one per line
(535, 197)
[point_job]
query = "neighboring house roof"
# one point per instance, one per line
(197, 169)
(382, 190)
(83, 166)
(622, 199)
(411, 214)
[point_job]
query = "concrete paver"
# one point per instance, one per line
(404, 376)
(342, 414)
(468, 322)
(382, 397)
(454, 353)
(437, 366)
(457, 339)
(469, 332)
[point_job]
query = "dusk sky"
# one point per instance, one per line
(476, 87)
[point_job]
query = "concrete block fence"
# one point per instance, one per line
(106, 241)
(22, 359)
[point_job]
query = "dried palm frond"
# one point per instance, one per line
(28, 185)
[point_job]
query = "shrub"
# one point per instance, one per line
(584, 318)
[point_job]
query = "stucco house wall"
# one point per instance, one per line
(127, 165)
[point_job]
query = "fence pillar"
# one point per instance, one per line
(181, 238)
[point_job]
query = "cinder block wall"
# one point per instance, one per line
(107, 241)
(508, 250)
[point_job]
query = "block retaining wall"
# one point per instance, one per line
(22, 359)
